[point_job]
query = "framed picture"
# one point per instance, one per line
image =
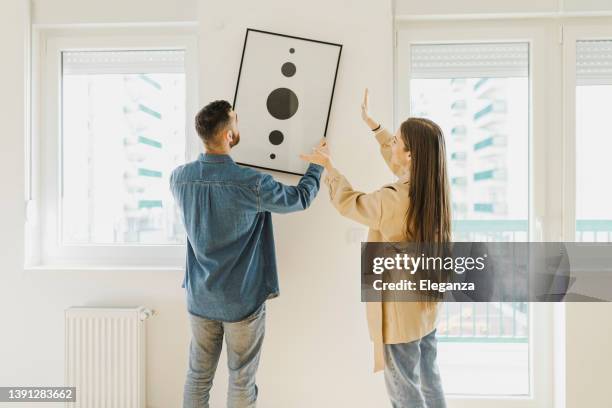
(283, 99)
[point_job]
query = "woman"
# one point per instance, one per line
(416, 208)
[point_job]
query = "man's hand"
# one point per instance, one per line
(365, 114)
(320, 155)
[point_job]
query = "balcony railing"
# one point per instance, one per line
(493, 322)
(593, 230)
(500, 322)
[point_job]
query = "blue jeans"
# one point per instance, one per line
(411, 374)
(243, 340)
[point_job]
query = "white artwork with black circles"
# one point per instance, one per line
(283, 99)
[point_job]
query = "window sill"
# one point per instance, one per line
(97, 268)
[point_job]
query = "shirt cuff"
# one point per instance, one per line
(314, 170)
(317, 167)
(332, 175)
(382, 135)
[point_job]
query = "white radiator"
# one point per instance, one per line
(105, 356)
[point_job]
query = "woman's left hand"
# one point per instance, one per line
(320, 155)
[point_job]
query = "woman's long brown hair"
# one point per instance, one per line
(428, 219)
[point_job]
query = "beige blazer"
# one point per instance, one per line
(384, 212)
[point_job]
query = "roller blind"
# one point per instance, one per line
(594, 62)
(470, 60)
(123, 62)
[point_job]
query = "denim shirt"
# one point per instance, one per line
(226, 210)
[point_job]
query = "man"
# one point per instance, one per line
(231, 264)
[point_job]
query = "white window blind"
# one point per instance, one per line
(470, 60)
(123, 62)
(594, 62)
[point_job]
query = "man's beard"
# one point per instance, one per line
(235, 140)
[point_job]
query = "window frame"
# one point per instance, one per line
(43, 229)
(539, 33)
(574, 30)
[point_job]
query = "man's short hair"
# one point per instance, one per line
(212, 119)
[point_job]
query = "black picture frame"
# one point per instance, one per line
(246, 37)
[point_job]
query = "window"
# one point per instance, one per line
(113, 125)
(484, 83)
(593, 140)
(123, 131)
(479, 95)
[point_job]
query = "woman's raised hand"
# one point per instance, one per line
(320, 155)
(365, 114)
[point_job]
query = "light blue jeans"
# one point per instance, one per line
(412, 376)
(243, 341)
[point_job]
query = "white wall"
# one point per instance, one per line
(317, 351)
(448, 7)
(416, 7)
(32, 303)
(112, 11)
(588, 355)
(587, 5)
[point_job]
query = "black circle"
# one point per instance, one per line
(288, 69)
(291, 50)
(282, 103)
(272, 156)
(276, 137)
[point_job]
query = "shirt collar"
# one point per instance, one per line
(215, 158)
